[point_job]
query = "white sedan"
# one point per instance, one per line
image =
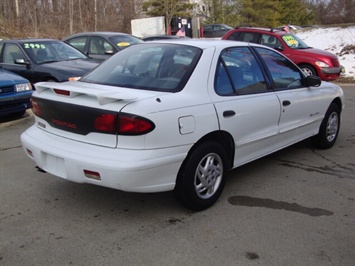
(176, 115)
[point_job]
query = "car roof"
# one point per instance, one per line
(256, 29)
(163, 37)
(97, 33)
(205, 43)
(30, 39)
(217, 24)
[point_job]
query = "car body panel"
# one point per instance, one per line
(11, 101)
(256, 123)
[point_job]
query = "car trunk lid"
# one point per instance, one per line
(83, 112)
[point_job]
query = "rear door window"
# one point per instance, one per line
(78, 43)
(238, 73)
(99, 46)
(243, 36)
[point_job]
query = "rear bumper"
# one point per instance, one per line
(126, 170)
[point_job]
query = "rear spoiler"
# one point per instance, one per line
(68, 90)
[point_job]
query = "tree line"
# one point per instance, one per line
(272, 13)
(59, 18)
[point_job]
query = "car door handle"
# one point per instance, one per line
(286, 103)
(228, 113)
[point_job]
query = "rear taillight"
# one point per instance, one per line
(129, 124)
(106, 123)
(36, 109)
(62, 92)
(125, 124)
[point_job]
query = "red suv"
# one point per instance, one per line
(312, 61)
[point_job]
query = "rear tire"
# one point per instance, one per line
(201, 178)
(329, 129)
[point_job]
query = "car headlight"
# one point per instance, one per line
(321, 64)
(23, 87)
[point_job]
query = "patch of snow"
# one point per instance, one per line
(333, 40)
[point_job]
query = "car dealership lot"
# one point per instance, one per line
(294, 207)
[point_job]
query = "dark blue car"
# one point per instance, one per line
(15, 94)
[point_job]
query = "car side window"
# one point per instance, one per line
(270, 41)
(238, 73)
(78, 43)
(284, 73)
(12, 52)
(99, 45)
(251, 37)
(244, 36)
(208, 27)
(235, 36)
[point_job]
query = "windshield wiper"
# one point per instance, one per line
(51, 61)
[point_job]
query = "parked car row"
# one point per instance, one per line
(35, 60)
(52, 60)
(165, 115)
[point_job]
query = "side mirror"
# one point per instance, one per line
(312, 81)
(21, 61)
(108, 51)
(279, 48)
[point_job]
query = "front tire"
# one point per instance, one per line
(308, 70)
(329, 129)
(201, 178)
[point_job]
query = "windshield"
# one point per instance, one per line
(158, 67)
(51, 51)
(122, 41)
(294, 42)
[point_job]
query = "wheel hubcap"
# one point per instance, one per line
(208, 176)
(307, 71)
(332, 127)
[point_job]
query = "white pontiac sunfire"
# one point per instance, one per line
(176, 115)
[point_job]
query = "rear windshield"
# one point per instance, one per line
(157, 67)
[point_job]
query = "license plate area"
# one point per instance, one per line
(54, 165)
